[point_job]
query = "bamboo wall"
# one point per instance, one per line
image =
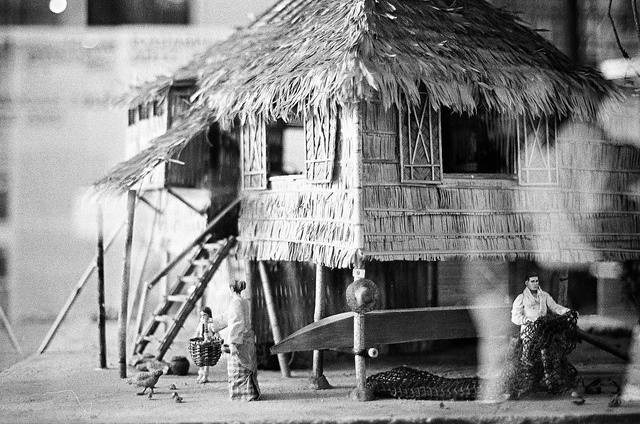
(592, 214)
(295, 220)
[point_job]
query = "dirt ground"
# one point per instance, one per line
(65, 385)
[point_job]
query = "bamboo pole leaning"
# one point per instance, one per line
(273, 318)
(76, 292)
(12, 336)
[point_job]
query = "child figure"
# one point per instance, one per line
(206, 333)
(242, 366)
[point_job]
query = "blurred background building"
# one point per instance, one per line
(62, 67)
(64, 63)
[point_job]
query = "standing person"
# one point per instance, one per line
(533, 303)
(206, 334)
(530, 306)
(242, 365)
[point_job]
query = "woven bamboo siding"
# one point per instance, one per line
(299, 220)
(380, 155)
(593, 214)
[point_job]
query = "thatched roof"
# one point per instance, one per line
(310, 53)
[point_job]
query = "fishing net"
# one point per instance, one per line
(536, 361)
(409, 383)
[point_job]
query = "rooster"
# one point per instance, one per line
(148, 380)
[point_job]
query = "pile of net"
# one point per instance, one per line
(535, 362)
(538, 360)
(409, 383)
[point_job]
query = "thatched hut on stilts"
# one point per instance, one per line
(412, 138)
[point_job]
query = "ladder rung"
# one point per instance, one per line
(190, 279)
(177, 297)
(164, 318)
(211, 247)
(201, 262)
(151, 339)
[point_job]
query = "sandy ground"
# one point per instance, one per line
(65, 385)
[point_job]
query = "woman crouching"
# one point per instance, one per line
(242, 366)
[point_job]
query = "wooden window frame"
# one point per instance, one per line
(410, 144)
(546, 150)
(253, 155)
(320, 134)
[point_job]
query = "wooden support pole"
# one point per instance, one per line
(12, 336)
(124, 292)
(358, 346)
(273, 318)
(74, 295)
(563, 287)
(362, 297)
(251, 286)
(318, 380)
(102, 315)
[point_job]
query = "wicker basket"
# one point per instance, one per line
(205, 353)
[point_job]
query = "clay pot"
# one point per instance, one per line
(179, 365)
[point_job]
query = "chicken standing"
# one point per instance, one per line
(148, 380)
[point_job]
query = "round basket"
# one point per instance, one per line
(205, 353)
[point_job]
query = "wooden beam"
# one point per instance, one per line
(124, 292)
(102, 315)
(604, 345)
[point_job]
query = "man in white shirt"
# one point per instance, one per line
(534, 303)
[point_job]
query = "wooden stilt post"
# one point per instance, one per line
(124, 293)
(273, 318)
(563, 287)
(361, 393)
(362, 297)
(250, 290)
(102, 338)
(318, 380)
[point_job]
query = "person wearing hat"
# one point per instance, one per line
(242, 364)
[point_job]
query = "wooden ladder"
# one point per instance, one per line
(180, 300)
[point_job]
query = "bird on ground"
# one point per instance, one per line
(177, 398)
(148, 380)
(615, 401)
(593, 388)
(579, 401)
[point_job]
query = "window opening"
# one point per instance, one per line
(483, 143)
(286, 148)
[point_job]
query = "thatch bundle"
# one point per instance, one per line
(467, 53)
(304, 55)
